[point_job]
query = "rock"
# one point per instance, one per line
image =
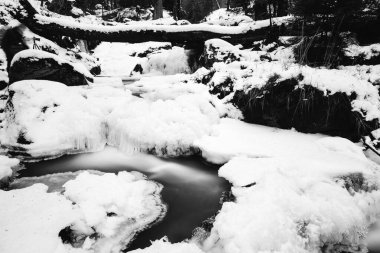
(217, 50)
(35, 64)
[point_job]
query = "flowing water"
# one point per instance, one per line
(192, 188)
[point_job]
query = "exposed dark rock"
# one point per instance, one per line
(46, 68)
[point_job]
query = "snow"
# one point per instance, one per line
(86, 207)
(366, 52)
(163, 246)
(369, 73)
(39, 54)
(7, 165)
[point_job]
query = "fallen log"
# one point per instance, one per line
(50, 26)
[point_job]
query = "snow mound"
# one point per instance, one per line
(163, 246)
(96, 213)
(296, 204)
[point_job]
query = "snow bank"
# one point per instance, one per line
(7, 166)
(103, 213)
(163, 246)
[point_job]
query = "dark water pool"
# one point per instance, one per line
(192, 188)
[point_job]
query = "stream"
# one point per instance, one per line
(192, 188)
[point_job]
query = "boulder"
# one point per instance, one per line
(217, 50)
(36, 64)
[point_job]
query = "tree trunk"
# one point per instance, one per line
(228, 5)
(178, 9)
(158, 10)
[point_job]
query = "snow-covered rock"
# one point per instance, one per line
(46, 119)
(37, 64)
(217, 50)
(96, 213)
(289, 95)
